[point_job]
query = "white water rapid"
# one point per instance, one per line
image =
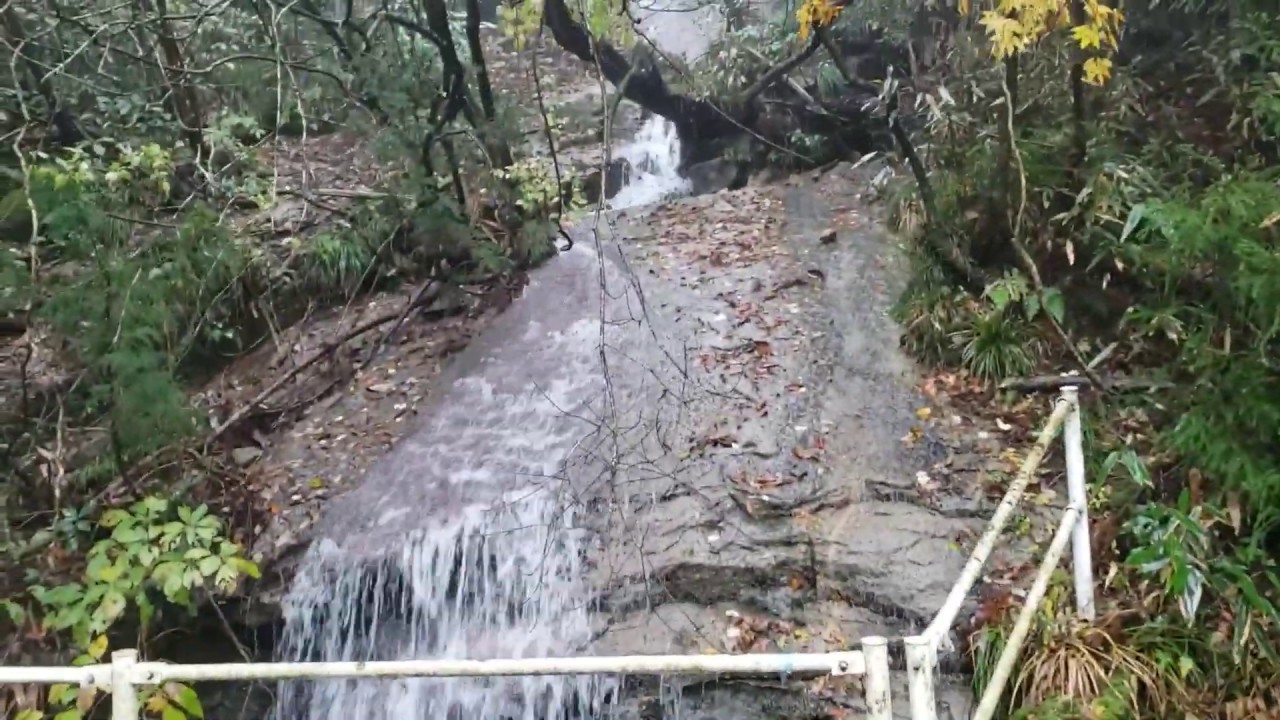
(463, 542)
(654, 155)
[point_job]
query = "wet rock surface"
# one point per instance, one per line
(725, 426)
(791, 520)
(712, 176)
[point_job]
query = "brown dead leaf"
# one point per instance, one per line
(85, 697)
(717, 441)
(763, 348)
(767, 481)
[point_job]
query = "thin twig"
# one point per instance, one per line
(427, 292)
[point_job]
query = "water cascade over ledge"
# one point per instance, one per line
(463, 542)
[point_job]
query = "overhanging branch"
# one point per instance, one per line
(694, 119)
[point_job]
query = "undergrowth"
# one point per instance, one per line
(1160, 258)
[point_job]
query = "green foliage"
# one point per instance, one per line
(994, 345)
(1214, 263)
(992, 338)
(158, 297)
(338, 261)
(1161, 242)
(739, 58)
(152, 553)
(155, 550)
(1194, 554)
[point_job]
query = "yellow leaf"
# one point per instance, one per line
(814, 14)
(157, 703)
(924, 413)
(1087, 36)
(1097, 71)
(1006, 34)
(964, 7)
(98, 647)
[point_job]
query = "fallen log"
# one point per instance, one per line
(1046, 383)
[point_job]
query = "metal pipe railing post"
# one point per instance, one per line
(921, 655)
(940, 629)
(124, 694)
(875, 683)
(1078, 495)
(994, 691)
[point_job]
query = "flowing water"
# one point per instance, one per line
(463, 542)
(654, 155)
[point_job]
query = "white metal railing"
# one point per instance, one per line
(125, 674)
(922, 650)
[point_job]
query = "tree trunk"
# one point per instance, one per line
(66, 130)
(454, 72)
(1006, 117)
(183, 98)
(1079, 134)
(498, 149)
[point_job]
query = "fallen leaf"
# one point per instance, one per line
(924, 413)
(1044, 497)
(804, 453)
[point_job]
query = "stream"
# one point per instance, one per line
(464, 541)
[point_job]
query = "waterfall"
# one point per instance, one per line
(464, 541)
(488, 584)
(654, 156)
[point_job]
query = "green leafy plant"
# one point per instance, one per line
(996, 345)
(155, 550)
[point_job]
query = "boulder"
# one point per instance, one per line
(715, 175)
